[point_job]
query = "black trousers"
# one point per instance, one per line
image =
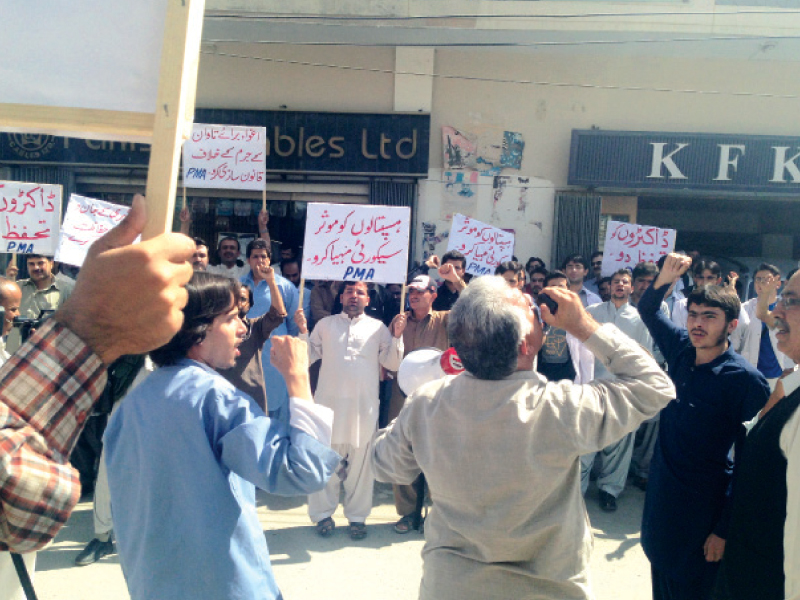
(667, 588)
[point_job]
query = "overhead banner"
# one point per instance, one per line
(628, 244)
(346, 242)
(85, 220)
(225, 157)
(484, 246)
(29, 217)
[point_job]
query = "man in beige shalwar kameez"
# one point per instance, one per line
(499, 447)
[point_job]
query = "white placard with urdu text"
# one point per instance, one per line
(29, 217)
(225, 157)
(85, 220)
(350, 242)
(628, 244)
(484, 246)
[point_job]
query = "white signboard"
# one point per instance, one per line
(85, 220)
(29, 217)
(628, 244)
(348, 242)
(484, 246)
(225, 157)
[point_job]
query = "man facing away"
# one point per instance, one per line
(762, 555)
(352, 347)
(615, 459)
(576, 267)
(687, 506)
(500, 447)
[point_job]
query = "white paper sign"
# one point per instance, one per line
(85, 220)
(29, 217)
(484, 246)
(225, 157)
(348, 242)
(628, 244)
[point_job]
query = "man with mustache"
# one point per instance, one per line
(687, 507)
(762, 558)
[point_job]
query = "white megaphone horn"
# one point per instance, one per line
(425, 365)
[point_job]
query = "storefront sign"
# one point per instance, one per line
(225, 157)
(628, 244)
(346, 242)
(484, 246)
(30, 214)
(691, 161)
(310, 142)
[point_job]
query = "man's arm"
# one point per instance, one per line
(768, 296)
(448, 273)
(263, 230)
(391, 346)
(664, 332)
(48, 387)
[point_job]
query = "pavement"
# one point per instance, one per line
(384, 566)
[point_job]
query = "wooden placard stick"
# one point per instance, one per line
(302, 290)
(403, 298)
(177, 85)
(264, 200)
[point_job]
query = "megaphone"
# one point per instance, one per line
(425, 365)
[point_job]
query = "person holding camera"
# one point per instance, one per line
(500, 446)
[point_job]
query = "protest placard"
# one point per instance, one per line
(628, 244)
(85, 220)
(484, 246)
(29, 217)
(347, 242)
(226, 157)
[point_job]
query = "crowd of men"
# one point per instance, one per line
(658, 373)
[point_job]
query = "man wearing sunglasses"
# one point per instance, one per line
(762, 556)
(687, 506)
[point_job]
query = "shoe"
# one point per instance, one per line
(404, 525)
(357, 531)
(94, 551)
(640, 482)
(325, 527)
(607, 502)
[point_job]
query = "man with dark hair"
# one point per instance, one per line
(352, 347)
(534, 262)
(687, 506)
(200, 256)
(604, 289)
(291, 270)
(562, 356)
(38, 489)
(761, 343)
(509, 270)
(209, 447)
(229, 263)
(453, 276)
(643, 274)
(762, 555)
(707, 272)
(596, 263)
(518, 528)
(41, 291)
(258, 258)
(536, 283)
(615, 459)
(576, 267)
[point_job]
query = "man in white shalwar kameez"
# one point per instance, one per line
(500, 448)
(352, 347)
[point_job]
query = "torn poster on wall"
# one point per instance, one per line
(460, 193)
(460, 149)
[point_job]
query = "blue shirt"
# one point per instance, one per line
(277, 395)
(185, 452)
(767, 361)
(690, 473)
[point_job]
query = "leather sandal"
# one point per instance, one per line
(357, 531)
(325, 527)
(404, 525)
